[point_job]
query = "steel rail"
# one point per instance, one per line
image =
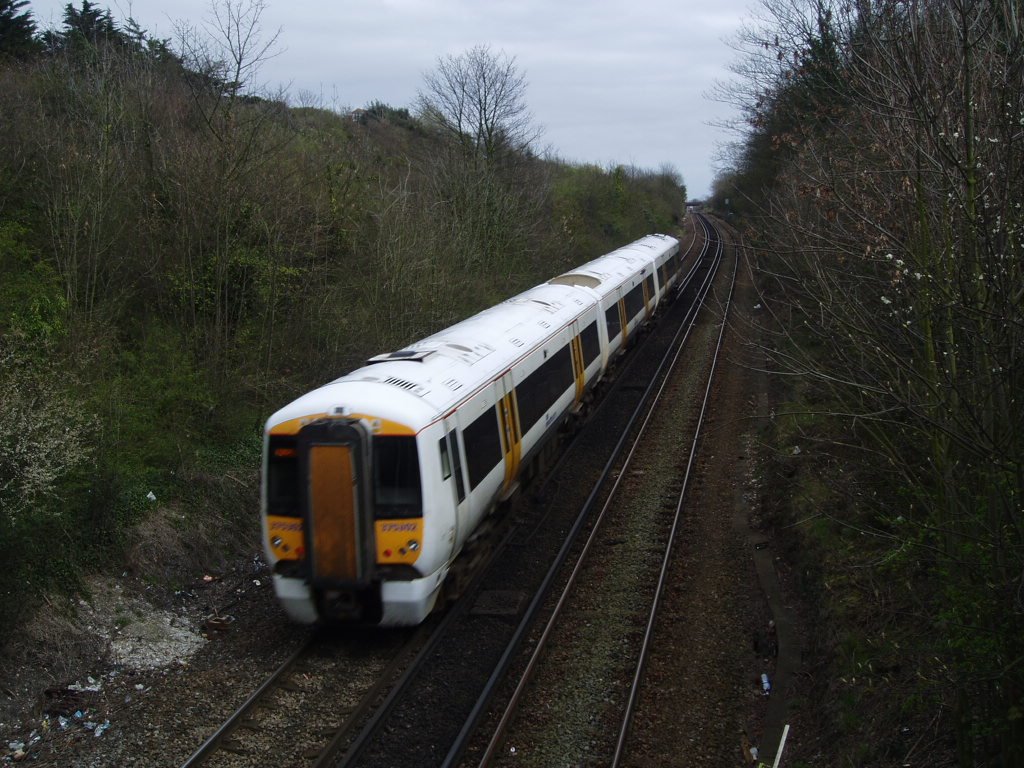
(645, 646)
(694, 238)
(344, 729)
(373, 694)
(228, 726)
(381, 713)
(527, 621)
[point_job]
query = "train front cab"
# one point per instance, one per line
(344, 523)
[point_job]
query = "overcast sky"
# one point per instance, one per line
(620, 81)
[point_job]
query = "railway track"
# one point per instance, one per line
(431, 722)
(338, 680)
(414, 699)
(575, 695)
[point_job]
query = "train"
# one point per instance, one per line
(374, 483)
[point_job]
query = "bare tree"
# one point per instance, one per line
(223, 60)
(233, 47)
(225, 57)
(478, 98)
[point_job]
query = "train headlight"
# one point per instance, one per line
(413, 545)
(276, 542)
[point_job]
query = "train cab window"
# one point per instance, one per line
(460, 488)
(448, 465)
(446, 462)
(396, 478)
(283, 478)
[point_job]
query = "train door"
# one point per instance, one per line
(623, 319)
(333, 458)
(454, 477)
(578, 364)
(511, 439)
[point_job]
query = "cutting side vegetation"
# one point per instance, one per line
(879, 186)
(181, 253)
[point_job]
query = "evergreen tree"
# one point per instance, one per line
(17, 29)
(88, 24)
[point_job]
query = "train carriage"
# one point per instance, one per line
(373, 483)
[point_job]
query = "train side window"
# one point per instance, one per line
(560, 376)
(453, 438)
(446, 463)
(611, 316)
(539, 391)
(530, 397)
(483, 447)
(283, 478)
(591, 344)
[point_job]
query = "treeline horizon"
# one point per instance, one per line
(181, 254)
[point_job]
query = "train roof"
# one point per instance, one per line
(443, 369)
(419, 383)
(606, 273)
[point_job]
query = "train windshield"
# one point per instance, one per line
(396, 478)
(282, 478)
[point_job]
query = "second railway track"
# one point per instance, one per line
(575, 696)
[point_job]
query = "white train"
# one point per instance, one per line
(373, 483)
